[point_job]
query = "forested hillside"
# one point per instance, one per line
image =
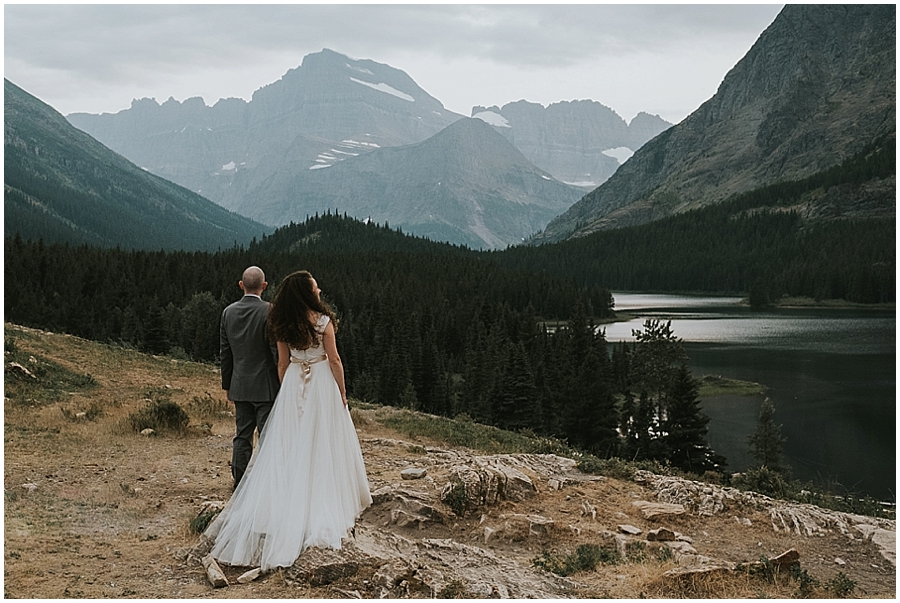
(62, 185)
(433, 328)
(829, 236)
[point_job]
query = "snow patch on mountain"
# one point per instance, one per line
(495, 119)
(620, 154)
(360, 69)
(382, 87)
(356, 143)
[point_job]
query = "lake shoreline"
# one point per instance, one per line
(827, 304)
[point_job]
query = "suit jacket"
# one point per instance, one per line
(249, 360)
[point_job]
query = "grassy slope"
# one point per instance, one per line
(93, 509)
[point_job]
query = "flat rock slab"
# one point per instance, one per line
(629, 529)
(655, 509)
(885, 540)
(414, 473)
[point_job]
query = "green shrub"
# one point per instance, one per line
(764, 569)
(585, 558)
(664, 554)
(805, 583)
(763, 480)
(199, 523)
(841, 586)
(456, 497)
(636, 552)
(161, 416)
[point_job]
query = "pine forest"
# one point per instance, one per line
(511, 338)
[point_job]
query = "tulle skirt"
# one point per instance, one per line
(305, 484)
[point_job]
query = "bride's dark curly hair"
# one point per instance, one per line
(289, 314)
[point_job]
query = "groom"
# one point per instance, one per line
(249, 366)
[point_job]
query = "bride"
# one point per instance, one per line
(306, 483)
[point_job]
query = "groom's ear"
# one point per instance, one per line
(241, 285)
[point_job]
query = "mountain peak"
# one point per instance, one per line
(817, 87)
(580, 142)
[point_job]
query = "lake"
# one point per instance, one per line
(830, 372)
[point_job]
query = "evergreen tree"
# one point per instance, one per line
(515, 402)
(594, 419)
(199, 335)
(652, 368)
(766, 442)
(156, 339)
(686, 427)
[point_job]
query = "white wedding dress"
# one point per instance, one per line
(306, 482)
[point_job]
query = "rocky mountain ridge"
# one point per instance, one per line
(272, 151)
(61, 185)
(579, 142)
(817, 87)
(331, 107)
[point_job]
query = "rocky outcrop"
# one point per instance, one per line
(471, 528)
(816, 88)
(787, 517)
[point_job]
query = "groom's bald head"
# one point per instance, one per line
(253, 280)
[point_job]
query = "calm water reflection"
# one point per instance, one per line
(831, 374)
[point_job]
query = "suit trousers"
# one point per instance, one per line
(248, 417)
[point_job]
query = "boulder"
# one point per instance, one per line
(214, 573)
(249, 576)
(661, 535)
(413, 473)
(519, 527)
(317, 566)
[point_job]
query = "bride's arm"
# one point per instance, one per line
(334, 360)
(284, 359)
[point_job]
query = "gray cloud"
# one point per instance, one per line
(75, 55)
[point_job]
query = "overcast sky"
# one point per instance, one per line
(663, 59)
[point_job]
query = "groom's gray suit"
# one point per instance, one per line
(249, 364)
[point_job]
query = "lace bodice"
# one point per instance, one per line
(316, 351)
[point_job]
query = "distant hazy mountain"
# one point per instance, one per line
(330, 108)
(817, 86)
(252, 157)
(61, 185)
(578, 142)
(466, 185)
